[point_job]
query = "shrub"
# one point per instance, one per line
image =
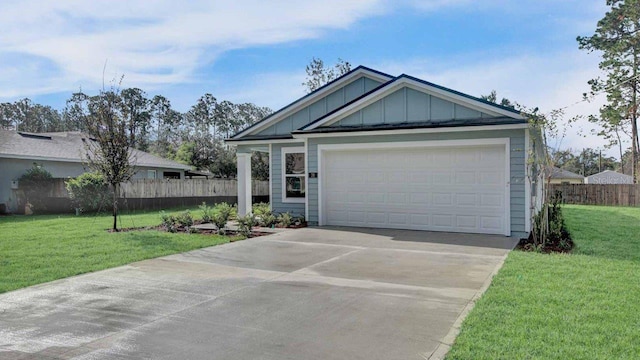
(549, 233)
(246, 224)
(221, 214)
(185, 219)
(234, 212)
(89, 191)
(263, 214)
(168, 222)
(207, 212)
(268, 220)
(260, 209)
(285, 220)
(36, 183)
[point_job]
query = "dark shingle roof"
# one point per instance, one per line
(557, 173)
(65, 146)
(412, 125)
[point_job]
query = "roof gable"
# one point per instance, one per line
(410, 100)
(318, 103)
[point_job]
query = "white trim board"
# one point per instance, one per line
(418, 86)
(238, 142)
(283, 174)
(301, 103)
(413, 131)
(527, 182)
(506, 142)
(81, 161)
(271, 177)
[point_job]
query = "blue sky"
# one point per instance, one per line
(256, 51)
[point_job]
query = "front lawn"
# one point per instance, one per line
(584, 305)
(41, 248)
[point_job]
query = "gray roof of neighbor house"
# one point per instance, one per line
(557, 173)
(66, 147)
(609, 177)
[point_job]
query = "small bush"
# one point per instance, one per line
(36, 183)
(89, 191)
(221, 214)
(550, 235)
(185, 219)
(268, 220)
(168, 222)
(246, 224)
(260, 209)
(207, 212)
(285, 220)
(263, 214)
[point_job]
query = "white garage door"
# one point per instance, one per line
(462, 189)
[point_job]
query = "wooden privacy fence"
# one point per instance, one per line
(598, 194)
(173, 188)
(150, 188)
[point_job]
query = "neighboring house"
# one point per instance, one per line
(373, 150)
(62, 155)
(609, 177)
(561, 176)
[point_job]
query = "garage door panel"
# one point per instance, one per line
(442, 189)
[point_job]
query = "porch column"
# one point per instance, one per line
(244, 184)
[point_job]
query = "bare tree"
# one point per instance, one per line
(318, 74)
(109, 151)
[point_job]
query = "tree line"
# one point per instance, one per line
(152, 124)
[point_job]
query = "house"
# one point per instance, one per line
(609, 177)
(62, 155)
(561, 176)
(374, 150)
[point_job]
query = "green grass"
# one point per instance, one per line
(584, 305)
(41, 248)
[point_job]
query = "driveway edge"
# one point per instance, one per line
(447, 342)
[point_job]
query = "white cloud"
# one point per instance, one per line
(63, 43)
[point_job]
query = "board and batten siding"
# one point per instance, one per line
(517, 164)
(408, 105)
(322, 106)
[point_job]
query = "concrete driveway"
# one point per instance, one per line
(316, 293)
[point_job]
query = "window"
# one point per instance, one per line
(293, 175)
(151, 174)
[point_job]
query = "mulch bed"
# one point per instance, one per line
(550, 247)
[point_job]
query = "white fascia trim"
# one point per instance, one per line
(260, 142)
(270, 177)
(527, 182)
(306, 180)
(283, 174)
(413, 131)
(506, 142)
(405, 82)
(413, 144)
(80, 161)
(323, 92)
(43, 158)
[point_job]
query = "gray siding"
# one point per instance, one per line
(277, 205)
(12, 169)
(517, 160)
(408, 105)
(322, 106)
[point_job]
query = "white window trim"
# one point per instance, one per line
(154, 172)
(283, 175)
